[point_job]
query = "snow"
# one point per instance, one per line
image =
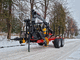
(78, 36)
(75, 55)
(12, 50)
(5, 42)
(67, 40)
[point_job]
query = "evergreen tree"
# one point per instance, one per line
(59, 18)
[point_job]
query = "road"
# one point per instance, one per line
(40, 52)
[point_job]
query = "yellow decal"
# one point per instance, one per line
(44, 32)
(23, 40)
(44, 29)
(47, 40)
(28, 32)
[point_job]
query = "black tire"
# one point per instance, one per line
(57, 43)
(20, 41)
(41, 44)
(62, 42)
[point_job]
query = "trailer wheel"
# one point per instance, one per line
(62, 42)
(57, 43)
(41, 44)
(20, 41)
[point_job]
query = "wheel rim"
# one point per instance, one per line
(62, 42)
(59, 43)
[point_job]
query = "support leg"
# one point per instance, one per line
(29, 43)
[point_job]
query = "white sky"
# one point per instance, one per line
(74, 8)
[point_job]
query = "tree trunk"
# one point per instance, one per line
(46, 7)
(8, 28)
(45, 10)
(68, 34)
(20, 29)
(9, 21)
(31, 2)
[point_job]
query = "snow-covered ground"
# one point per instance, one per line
(5, 42)
(78, 36)
(71, 51)
(75, 55)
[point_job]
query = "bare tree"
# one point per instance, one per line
(72, 29)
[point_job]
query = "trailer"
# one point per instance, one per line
(40, 33)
